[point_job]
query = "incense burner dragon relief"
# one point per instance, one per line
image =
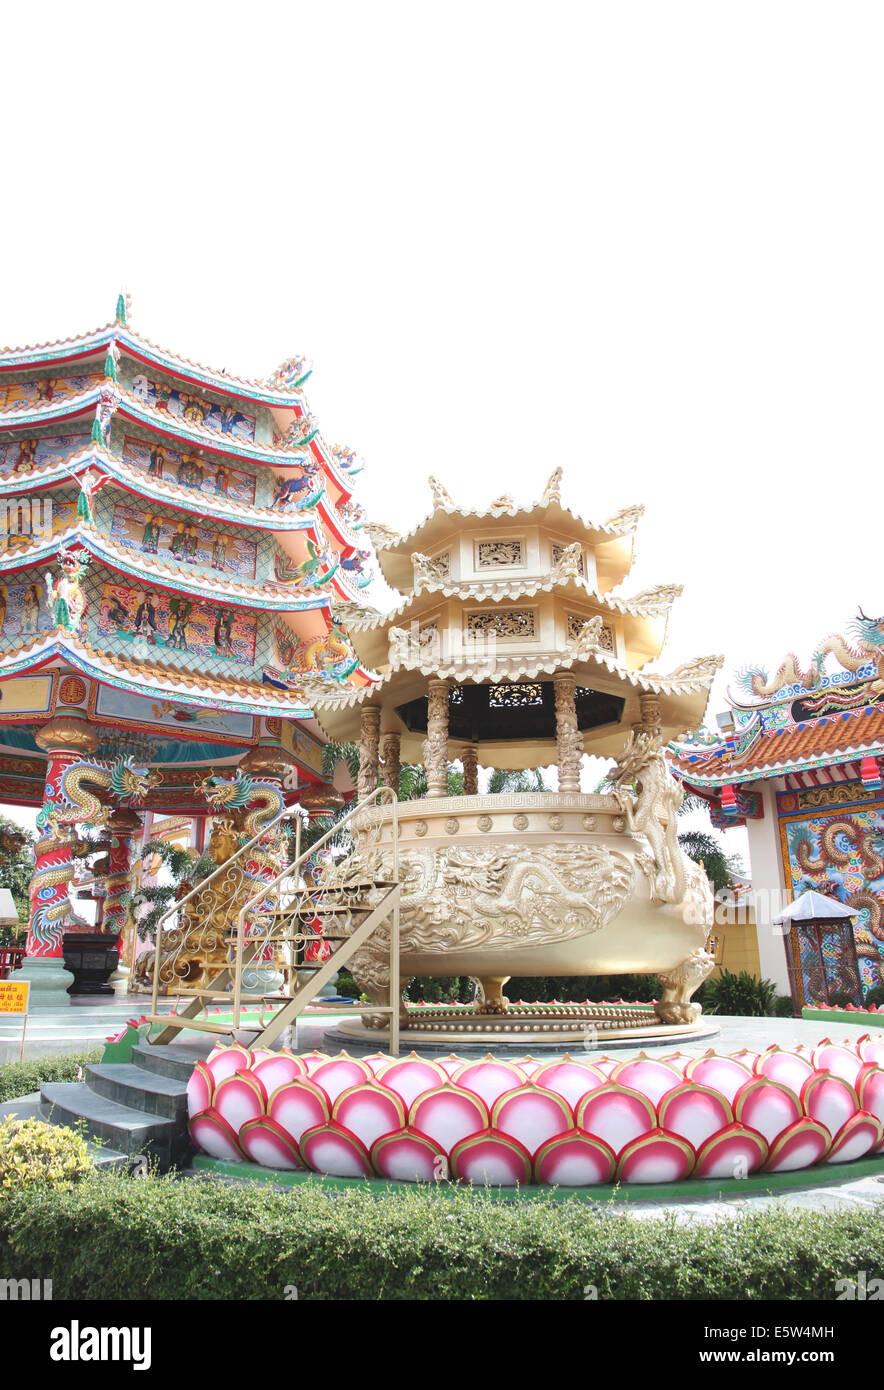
(542, 884)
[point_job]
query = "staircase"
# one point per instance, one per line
(126, 1109)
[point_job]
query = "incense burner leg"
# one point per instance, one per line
(492, 1000)
(674, 1005)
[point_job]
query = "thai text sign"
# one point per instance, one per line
(14, 996)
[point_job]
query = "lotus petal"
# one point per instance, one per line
(211, 1133)
(450, 1064)
(266, 1142)
(491, 1158)
(871, 1090)
(647, 1076)
(331, 1149)
(734, 1153)
(277, 1069)
(719, 1073)
(239, 1098)
(531, 1115)
(787, 1068)
(297, 1106)
(800, 1146)
(859, 1136)
(368, 1112)
(694, 1113)
(312, 1060)
(447, 1115)
(829, 1100)
(616, 1116)
(411, 1076)
(339, 1074)
(656, 1158)
(574, 1160)
(837, 1061)
(766, 1106)
(200, 1089)
(408, 1156)
(871, 1049)
(571, 1079)
(489, 1078)
(224, 1061)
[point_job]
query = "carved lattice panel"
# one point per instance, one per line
(498, 554)
(504, 622)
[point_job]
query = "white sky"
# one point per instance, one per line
(643, 241)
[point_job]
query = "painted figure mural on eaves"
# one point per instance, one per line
(193, 410)
(868, 652)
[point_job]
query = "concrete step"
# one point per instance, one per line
(173, 1060)
(125, 1129)
(28, 1108)
(138, 1089)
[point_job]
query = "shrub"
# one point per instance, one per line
(875, 997)
(21, 1078)
(208, 1240)
(742, 994)
(783, 1007)
(33, 1152)
(575, 989)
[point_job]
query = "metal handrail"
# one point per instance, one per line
(294, 868)
(286, 813)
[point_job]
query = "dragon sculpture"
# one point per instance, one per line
(867, 633)
(831, 855)
(650, 797)
(197, 948)
(59, 844)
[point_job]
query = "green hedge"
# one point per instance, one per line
(21, 1078)
(157, 1238)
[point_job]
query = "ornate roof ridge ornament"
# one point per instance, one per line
(867, 633)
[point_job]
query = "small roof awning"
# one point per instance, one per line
(814, 907)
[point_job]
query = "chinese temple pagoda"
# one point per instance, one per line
(797, 760)
(175, 542)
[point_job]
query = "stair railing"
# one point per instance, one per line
(276, 888)
(287, 813)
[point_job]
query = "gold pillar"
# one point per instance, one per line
(368, 751)
(390, 773)
(469, 756)
(569, 739)
(436, 741)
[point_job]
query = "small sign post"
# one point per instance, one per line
(14, 999)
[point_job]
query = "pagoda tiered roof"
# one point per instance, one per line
(83, 410)
(612, 540)
(568, 620)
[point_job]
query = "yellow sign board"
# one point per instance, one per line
(14, 996)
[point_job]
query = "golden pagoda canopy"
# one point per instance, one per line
(500, 604)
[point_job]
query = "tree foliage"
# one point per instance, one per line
(16, 872)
